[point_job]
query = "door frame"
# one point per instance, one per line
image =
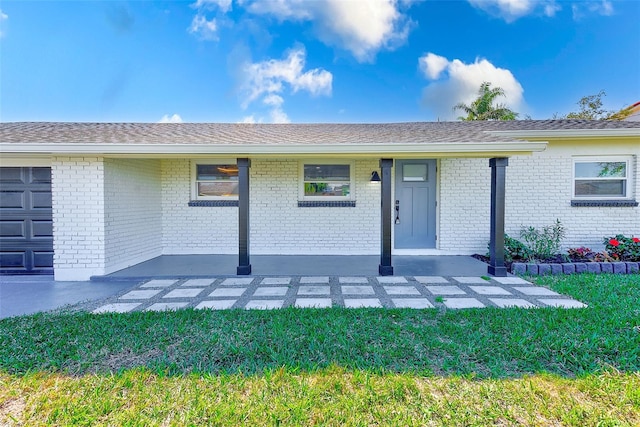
(417, 251)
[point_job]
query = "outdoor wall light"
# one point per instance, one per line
(375, 177)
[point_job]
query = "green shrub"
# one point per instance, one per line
(543, 244)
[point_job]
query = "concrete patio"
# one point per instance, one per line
(190, 266)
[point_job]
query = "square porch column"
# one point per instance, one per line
(385, 268)
(496, 241)
(244, 264)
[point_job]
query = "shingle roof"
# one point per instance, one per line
(282, 134)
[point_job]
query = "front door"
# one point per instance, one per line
(415, 204)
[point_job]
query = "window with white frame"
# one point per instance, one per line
(601, 177)
(326, 180)
(214, 180)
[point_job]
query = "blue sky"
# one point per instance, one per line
(310, 60)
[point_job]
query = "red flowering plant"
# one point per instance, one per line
(623, 248)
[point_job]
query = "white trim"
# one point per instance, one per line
(194, 181)
(352, 187)
(603, 158)
(25, 162)
(239, 150)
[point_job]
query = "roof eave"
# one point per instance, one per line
(467, 148)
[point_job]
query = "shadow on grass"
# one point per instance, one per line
(483, 343)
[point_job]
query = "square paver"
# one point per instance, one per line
(233, 281)
(490, 290)
(401, 290)
(313, 302)
(198, 283)
(314, 290)
(276, 281)
(353, 280)
(276, 291)
(357, 290)
(431, 279)
(118, 307)
(512, 302)
(391, 279)
(562, 303)
(228, 292)
(445, 290)
(217, 305)
(463, 303)
(314, 279)
(411, 303)
(158, 283)
(535, 290)
(166, 306)
(264, 304)
(141, 294)
(362, 302)
(184, 293)
(469, 280)
(511, 280)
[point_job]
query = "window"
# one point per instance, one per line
(326, 181)
(214, 181)
(602, 178)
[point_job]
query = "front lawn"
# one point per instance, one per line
(335, 366)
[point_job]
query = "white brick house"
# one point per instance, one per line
(123, 193)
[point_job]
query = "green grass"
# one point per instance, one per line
(336, 366)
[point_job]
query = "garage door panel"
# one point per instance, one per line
(12, 229)
(41, 199)
(42, 259)
(13, 260)
(26, 226)
(40, 176)
(11, 176)
(41, 229)
(12, 200)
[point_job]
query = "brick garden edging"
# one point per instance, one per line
(575, 267)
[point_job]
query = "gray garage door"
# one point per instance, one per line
(26, 228)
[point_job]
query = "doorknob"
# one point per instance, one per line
(397, 220)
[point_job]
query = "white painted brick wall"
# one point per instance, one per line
(78, 217)
(193, 229)
(133, 212)
(279, 226)
(539, 190)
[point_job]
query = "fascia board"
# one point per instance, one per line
(283, 149)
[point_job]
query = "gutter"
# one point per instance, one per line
(469, 148)
(567, 133)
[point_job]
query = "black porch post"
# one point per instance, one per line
(496, 240)
(385, 268)
(244, 265)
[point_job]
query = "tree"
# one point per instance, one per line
(590, 108)
(483, 109)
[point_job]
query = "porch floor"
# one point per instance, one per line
(188, 266)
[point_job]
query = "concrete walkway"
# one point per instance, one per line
(256, 292)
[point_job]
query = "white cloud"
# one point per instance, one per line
(206, 30)
(460, 82)
(3, 17)
(248, 119)
(268, 80)
(223, 5)
(362, 28)
(432, 65)
(511, 10)
(170, 119)
(601, 7)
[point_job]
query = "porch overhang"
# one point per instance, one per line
(395, 150)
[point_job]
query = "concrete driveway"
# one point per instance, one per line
(21, 295)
